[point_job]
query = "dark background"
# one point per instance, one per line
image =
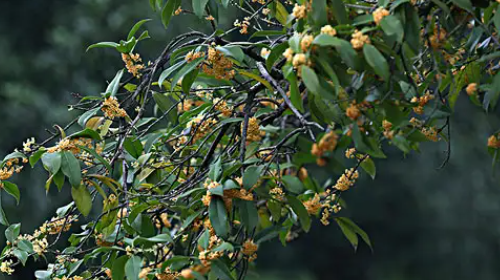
(424, 223)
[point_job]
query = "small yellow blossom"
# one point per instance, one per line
(306, 42)
(299, 11)
(379, 14)
(329, 30)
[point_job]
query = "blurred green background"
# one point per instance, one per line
(424, 223)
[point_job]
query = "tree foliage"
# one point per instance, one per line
(183, 165)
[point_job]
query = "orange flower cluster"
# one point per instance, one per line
(133, 63)
(347, 180)
(243, 25)
(313, 205)
(327, 143)
(218, 65)
(471, 89)
(430, 133)
(249, 249)
(493, 142)
(11, 166)
(438, 36)
(388, 132)
(254, 133)
(192, 55)
(379, 14)
(199, 128)
(56, 225)
(330, 206)
(221, 106)
(111, 108)
(359, 40)
(353, 111)
(422, 101)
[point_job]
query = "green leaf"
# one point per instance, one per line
(377, 61)
(265, 33)
(115, 84)
(293, 184)
(233, 51)
(281, 13)
(103, 45)
(339, 11)
(369, 166)
(188, 80)
(464, 4)
(133, 147)
(52, 162)
(492, 94)
(295, 96)
(167, 72)
(344, 222)
(84, 118)
(21, 255)
(218, 216)
(12, 232)
(401, 142)
(248, 214)
(161, 238)
(118, 268)
(166, 103)
(12, 189)
(221, 270)
(496, 19)
(25, 245)
(392, 27)
(168, 11)
(257, 78)
(82, 198)
(310, 79)
(319, 12)
(70, 166)
(301, 212)
(343, 47)
(348, 233)
(133, 268)
(251, 176)
(135, 28)
(185, 70)
(35, 157)
(3, 218)
(199, 7)
(87, 133)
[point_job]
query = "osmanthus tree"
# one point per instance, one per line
(184, 165)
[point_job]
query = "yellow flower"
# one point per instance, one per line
(493, 142)
(358, 40)
(379, 14)
(5, 267)
(299, 11)
(471, 89)
(111, 108)
(133, 63)
(329, 30)
(313, 205)
(288, 54)
(249, 247)
(353, 112)
(299, 59)
(347, 180)
(306, 42)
